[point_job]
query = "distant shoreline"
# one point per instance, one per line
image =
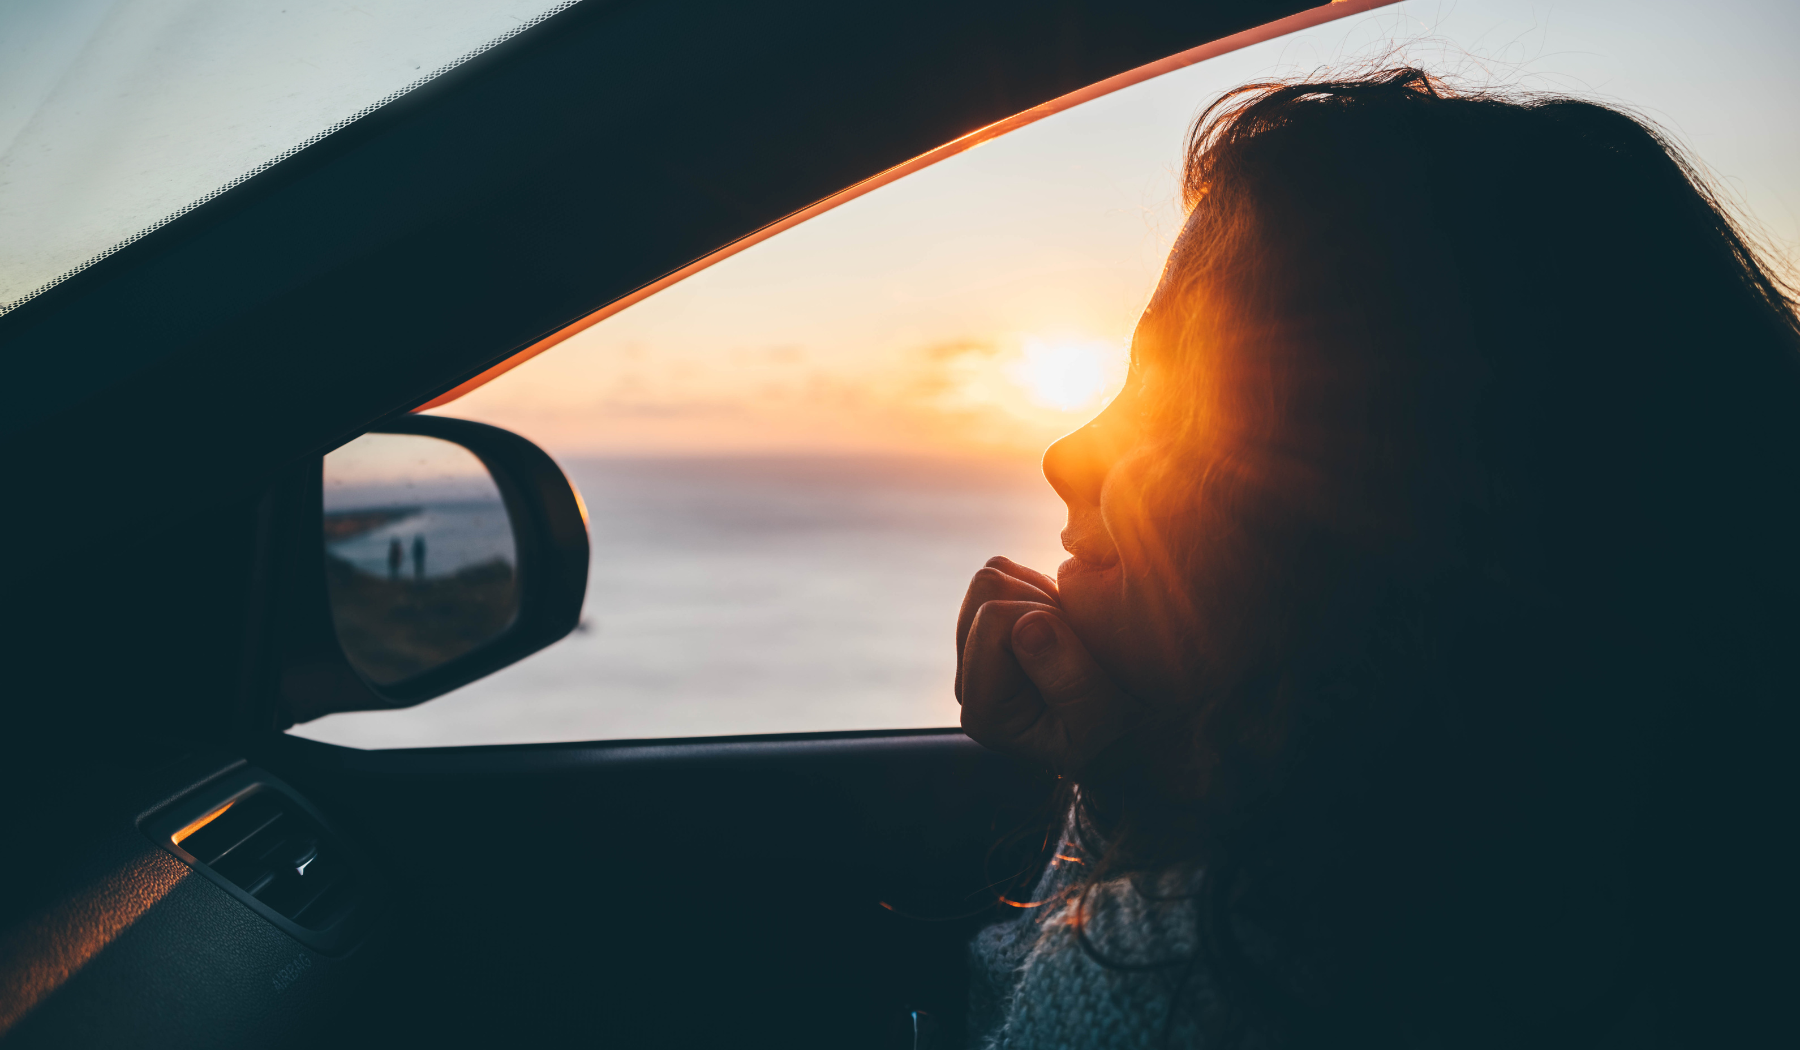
(348, 524)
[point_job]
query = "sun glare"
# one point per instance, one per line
(1066, 375)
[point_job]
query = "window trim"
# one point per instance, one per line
(1306, 19)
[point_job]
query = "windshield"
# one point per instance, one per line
(119, 115)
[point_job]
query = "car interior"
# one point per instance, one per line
(182, 872)
(794, 890)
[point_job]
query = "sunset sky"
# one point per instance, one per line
(983, 305)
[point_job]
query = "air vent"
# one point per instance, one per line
(266, 845)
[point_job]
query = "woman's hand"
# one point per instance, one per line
(1027, 685)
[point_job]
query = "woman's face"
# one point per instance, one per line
(1121, 591)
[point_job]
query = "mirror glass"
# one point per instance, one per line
(420, 561)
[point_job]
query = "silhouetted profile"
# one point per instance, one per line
(418, 557)
(1424, 673)
(396, 558)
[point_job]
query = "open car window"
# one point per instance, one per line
(119, 115)
(794, 460)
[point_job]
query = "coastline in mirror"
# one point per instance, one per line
(420, 561)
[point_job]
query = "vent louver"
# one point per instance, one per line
(267, 846)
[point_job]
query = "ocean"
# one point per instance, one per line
(736, 595)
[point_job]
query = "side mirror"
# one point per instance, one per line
(421, 556)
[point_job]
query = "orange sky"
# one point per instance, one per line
(983, 305)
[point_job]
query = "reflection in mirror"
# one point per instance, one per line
(419, 555)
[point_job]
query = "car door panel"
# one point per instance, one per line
(799, 891)
(114, 941)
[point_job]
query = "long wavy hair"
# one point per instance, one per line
(1481, 421)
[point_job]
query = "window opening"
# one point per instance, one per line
(794, 460)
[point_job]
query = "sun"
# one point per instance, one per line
(1068, 375)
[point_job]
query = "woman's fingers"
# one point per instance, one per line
(1000, 704)
(1032, 690)
(1024, 574)
(1085, 711)
(1000, 580)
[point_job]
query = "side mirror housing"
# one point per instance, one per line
(423, 555)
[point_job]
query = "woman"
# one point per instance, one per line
(1422, 660)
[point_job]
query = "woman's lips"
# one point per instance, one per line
(1092, 548)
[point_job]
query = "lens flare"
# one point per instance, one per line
(1065, 375)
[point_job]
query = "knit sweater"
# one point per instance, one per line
(1035, 987)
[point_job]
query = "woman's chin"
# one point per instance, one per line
(1089, 595)
(1081, 572)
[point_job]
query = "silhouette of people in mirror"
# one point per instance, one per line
(396, 557)
(418, 557)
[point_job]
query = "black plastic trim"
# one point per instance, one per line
(338, 938)
(505, 759)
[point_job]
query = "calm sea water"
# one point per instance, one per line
(751, 595)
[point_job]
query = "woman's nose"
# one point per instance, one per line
(1077, 464)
